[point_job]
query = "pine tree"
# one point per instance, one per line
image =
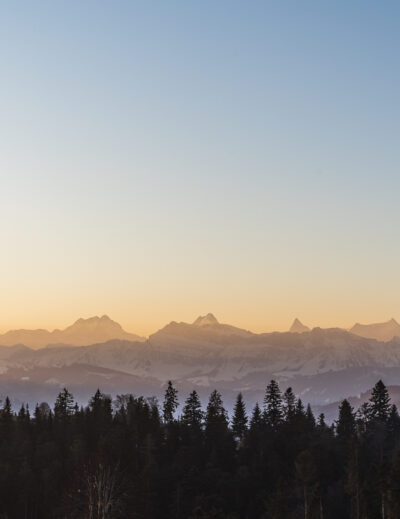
(216, 413)
(6, 411)
(256, 418)
(289, 404)
(64, 405)
(96, 400)
(321, 421)
(299, 408)
(346, 423)
(219, 442)
(379, 407)
(192, 414)
(239, 420)
(393, 424)
(6, 416)
(216, 418)
(170, 403)
(310, 417)
(22, 414)
(273, 405)
(101, 411)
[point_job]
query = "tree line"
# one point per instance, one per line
(133, 458)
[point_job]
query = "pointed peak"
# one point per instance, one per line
(206, 320)
(298, 327)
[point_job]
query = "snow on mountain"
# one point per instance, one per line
(321, 364)
(183, 351)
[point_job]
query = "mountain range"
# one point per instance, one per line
(322, 365)
(84, 332)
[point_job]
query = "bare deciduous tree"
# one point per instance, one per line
(102, 493)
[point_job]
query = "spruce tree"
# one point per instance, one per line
(346, 423)
(321, 421)
(170, 403)
(273, 405)
(192, 414)
(289, 404)
(299, 411)
(256, 417)
(22, 414)
(6, 411)
(216, 423)
(394, 421)
(216, 413)
(64, 405)
(379, 407)
(219, 442)
(101, 410)
(239, 420)
(310, 417)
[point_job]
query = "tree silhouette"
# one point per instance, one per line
(170, 403)
(239, 420)
(192, 414)
(379, 407)
(273, 405)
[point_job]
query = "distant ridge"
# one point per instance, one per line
(82, 333)
(298, 327)
(380, 331)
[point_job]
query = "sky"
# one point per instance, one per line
(161, 160)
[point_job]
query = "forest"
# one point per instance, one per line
(134, 458)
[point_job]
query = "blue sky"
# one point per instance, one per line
(164, 159)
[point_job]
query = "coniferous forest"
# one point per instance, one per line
(133, 458)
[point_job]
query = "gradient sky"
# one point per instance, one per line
(161, 160)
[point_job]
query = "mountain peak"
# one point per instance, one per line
(206, 320)
(82, 332)
(104, 322)
(298, 327)
(380, 331)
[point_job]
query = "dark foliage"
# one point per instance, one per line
(122, 459)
